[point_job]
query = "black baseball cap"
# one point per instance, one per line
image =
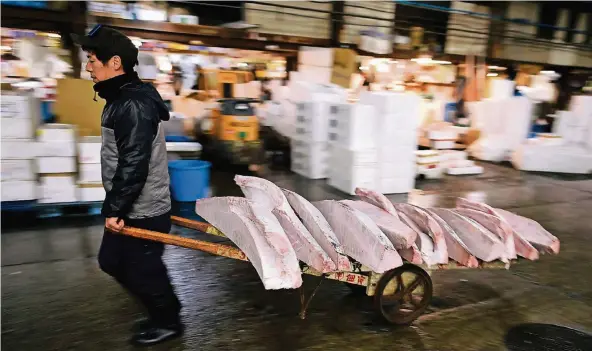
(107, 42)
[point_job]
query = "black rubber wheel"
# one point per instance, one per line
(403, 294)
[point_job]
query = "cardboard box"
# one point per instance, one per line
(19, 190)
(89, 150)
(19, 149)
(15, 170)
(314, 56)
(57, 149)
(89, 172)
(55, 132)
(16, 128)
(353, 126)
(74, 105)
(49, 165)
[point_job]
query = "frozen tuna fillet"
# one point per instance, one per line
(400, 235)
(532, 231)
(427, 225)
(360, 238)
(424, 243)
(457, 250)
(495, 225)
(412, 255)
(319, 228)
(259, 235)
(523, 247)
(479, 241)
(377, 199)
(270, 196)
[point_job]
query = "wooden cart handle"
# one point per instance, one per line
(194, 244)
(197, 225)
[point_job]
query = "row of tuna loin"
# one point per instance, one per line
(276, 228)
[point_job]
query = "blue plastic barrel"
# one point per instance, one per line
(190, 179)
(177, 138)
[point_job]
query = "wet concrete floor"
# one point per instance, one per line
(54, 297)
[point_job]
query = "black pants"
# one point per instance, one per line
(137, 265)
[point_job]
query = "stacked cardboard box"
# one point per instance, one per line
(354, 154)
(56, 163)
(90, 186)
(20, 115)
(315, 65)
(398, 117)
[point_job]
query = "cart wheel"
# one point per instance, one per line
(403, 294)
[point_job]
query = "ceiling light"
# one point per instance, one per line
(5, 48)
(492, 74)
(196, 42)
(54, 35)
(498, 68)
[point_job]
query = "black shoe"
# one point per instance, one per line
(155, 336)
(141, 325)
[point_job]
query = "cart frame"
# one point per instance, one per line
(397, 298)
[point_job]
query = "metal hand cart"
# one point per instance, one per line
(400, 295)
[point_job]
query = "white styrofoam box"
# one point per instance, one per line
(401, 169)
(581, 106)
(452, 155)
(47, 165)
(21, 106)
(314, 56)
(517, 120)
(353, 125)
(50, 195)
(303, 91)
(56, 181)
(464, 170)
(443, 134)
(280, 93)
(56, 149)
(314, 74)
(89, 172)
(309, 159)
(433, 173)
(458, 164)
(386, 103)
(89, 150)
(19, 149)
(16, 128)
(501, 88)
(13, 170)
(442, 144)
(344, 157)
(397, 185)
(56, 132)
(347, 180)
(312, 121)
(19, 190)
(88, 193)
(551, 158)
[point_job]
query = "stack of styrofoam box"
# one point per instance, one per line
(90, 185)
(56, 163)
(444, 138)
(354, 154)
(309, 145)
(456, 163)
(574, 155)
(429, 163)
(20, 115)
(315, 65)
(398, 117)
